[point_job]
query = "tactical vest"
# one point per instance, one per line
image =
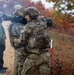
(14, 32)
(38, 35)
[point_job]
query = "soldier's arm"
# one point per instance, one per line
(21, 38)
(7, 17)
(24, 34)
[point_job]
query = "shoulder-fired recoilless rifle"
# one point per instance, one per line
(48, 20)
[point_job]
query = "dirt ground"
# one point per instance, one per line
(8, 53)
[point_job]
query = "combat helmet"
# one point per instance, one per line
(17, 7)
(19, 10)
(32, 12)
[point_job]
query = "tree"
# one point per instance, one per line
(64, 5)
(42, 10)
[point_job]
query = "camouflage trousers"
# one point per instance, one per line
(20, 57)
(36, 65)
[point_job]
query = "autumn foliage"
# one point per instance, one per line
(61, 22)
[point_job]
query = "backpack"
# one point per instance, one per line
(38, 36)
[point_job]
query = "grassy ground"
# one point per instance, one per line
(63, 54)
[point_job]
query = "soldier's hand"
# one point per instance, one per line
(17, 40)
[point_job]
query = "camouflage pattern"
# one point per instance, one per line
(35, 59)
(38, 36)
(14, 33)
(32, 12)
(20, 55)
(21, 12)
(37, 62)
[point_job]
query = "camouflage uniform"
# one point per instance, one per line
(18, 47)
(18, 21)
(14, 32)
(37, 61)
(20, 57)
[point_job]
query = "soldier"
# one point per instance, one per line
(35, 37)
(18, 21)
(2, 44)
(20, 55)
(17, 16)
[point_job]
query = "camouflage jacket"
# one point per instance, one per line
(32, 33)
(30, 25)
